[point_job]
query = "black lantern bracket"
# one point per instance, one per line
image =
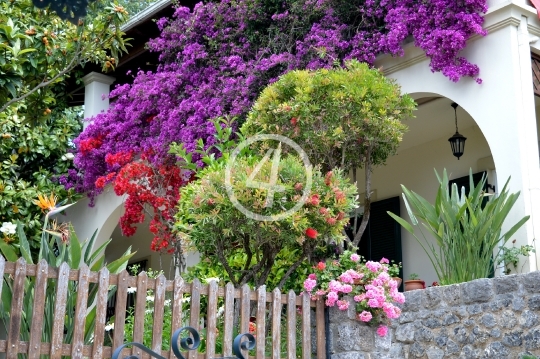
(189, 343)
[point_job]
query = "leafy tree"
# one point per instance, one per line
(32, 156)
(38, 50)
(309, 210)
(344, 118)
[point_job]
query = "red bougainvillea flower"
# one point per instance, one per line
(294, 121)
(331, 221)
(311, 233)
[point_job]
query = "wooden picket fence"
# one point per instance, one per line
(269, 310)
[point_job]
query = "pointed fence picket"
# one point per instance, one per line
(281, 323)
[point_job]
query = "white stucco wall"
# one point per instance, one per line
(140, 243)
(503, 106)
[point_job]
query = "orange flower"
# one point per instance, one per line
(321, 266)
(46, 203)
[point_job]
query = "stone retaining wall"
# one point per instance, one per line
(486, 318)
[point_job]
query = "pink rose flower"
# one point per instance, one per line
(384, 260)
(355, 257)
(309, 284)
(365, 316)
(343, 304)
(382, 330)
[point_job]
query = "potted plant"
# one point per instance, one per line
(414, 283)
(394, 270)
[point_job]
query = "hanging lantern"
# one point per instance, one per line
(457, 142)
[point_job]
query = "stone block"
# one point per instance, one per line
(501, 301)
(531, 282)
(452, 294)
(405, 333)
(478, 335)
(488, 320)
(469, 352)
(414, 300)
(513, 339)
(450, 319)
(451, 347)
(518, 303)
(532, 339)
(349, 355)
(474, 309)
(383, 343)
(534, 302)
(508, 320)
(423, 335)
(528, 319)
(506, 284)
(496, 350)
(441, 340)
(417, 350)
(477, 291)
(435, 353)
(353, 336)
(461, 335)
(432, 323)
(407, 317)
(337, 316)
(433, 297)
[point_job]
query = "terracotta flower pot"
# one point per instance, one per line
(414, 284)
(398, 280)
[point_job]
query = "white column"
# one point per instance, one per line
(96, 93)
(529, 158)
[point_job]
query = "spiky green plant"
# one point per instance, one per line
(59, 244)
(467, 232)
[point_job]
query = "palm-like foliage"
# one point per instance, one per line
(467, 231)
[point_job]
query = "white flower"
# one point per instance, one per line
(109, 327)
(220, 311)
(167, 302)
(149, 298)
(186, 300)
(149, 311)
(132, 289)
(8, 228)
(208, 280)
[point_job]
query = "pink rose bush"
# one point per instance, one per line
(369, 284)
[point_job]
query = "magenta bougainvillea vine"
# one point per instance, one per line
(216, 58)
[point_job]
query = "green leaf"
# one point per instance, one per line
(75, 253)
(23, 244)
(8, 253)
(402, 222)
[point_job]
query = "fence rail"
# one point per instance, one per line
(284, 322)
